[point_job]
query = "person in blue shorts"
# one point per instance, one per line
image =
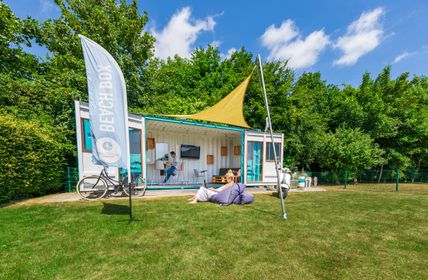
(172, 163)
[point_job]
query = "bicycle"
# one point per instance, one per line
(96, 186)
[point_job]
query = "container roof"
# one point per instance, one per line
(189, 128)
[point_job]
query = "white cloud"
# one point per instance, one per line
(230, 52)
(46, 6)
(362, 36)
(275, 36)
(285, 43)
(215, 43)
(180, 34)
(401, 57)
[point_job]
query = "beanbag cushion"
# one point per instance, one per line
(235, 194)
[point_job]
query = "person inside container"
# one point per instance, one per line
(172, 166)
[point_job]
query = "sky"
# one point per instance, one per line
(340, 39)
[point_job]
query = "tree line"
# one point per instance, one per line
(382, 123)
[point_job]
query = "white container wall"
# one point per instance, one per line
(86, 166)
(255, 160)
(260, 165)
(210, 141)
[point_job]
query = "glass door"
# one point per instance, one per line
(254, 161)
(135, 156)
(135, 151)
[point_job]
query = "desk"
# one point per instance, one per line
(160, 165)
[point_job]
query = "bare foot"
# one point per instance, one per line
(193, 201)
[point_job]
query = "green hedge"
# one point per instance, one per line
(32, 161)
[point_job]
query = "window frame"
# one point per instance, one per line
(267, 152)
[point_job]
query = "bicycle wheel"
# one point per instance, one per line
(138, 188)
(91, 187)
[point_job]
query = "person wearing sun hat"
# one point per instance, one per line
(204, 194)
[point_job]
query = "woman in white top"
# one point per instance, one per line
(204, 194)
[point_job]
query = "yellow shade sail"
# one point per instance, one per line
(229, 110)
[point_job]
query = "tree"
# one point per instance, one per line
(118, 27)
(383, 122)
(348, 149)
(186, 86)
(303, 123)
(15, 33)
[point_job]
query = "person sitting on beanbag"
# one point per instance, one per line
(204, 194)
(233, 195)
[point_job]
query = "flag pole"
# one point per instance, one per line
(128, 159)
(107, 93)
(277, 167)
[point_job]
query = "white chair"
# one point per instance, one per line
(199, 174)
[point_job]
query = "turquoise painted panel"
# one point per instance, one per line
(254, 161)
(87, 141)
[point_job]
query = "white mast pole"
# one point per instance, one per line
(278, 180)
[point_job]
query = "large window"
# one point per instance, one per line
(135, 141)
(269, 151)
(135, 151)
(135, 155)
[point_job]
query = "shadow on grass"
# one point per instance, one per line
(262, 210)
(118, 209)
(275, 213)
(114, 209)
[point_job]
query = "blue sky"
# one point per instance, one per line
(341, 39)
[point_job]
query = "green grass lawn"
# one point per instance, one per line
(352, 234)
